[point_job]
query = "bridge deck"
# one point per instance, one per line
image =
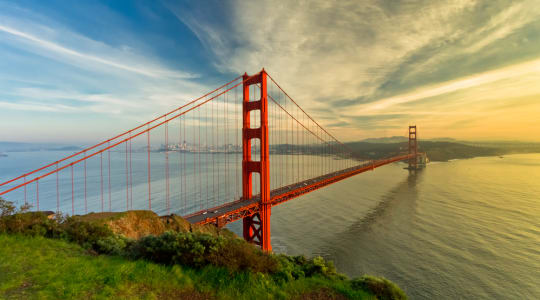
(233, 211)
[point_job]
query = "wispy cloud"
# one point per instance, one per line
(89, 58)
(519, 70)
(55, 73)
(365, 67)
(347, 59)
(32, 106)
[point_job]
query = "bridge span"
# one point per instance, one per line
(201, 160)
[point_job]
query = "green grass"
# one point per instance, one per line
(42, 268)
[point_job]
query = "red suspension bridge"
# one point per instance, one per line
(232, 154)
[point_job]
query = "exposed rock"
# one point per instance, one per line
(139, 223)
(176, 223)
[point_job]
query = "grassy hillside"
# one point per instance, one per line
(41, 268)
(139, 255)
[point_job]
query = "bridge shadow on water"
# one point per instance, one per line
(388, 206)
(363, 240)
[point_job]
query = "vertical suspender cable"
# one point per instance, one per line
(225, 131)
(57, 191)
(184, 146)
(236, 173)
(281, 142)
(213, 158)
(298, 167)
(199, 155)
(72, 193)
(206, 151)
(127, 178)
(130, 175)
(148, 163)
(85, 202)
(194, 160)
(184, 149)
(101, 170)
(37, 194)
(167, 165)
(180, 188)
(109, 153)
(217, 146)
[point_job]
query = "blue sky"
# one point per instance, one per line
(72, 71)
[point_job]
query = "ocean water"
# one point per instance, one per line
(465, 229)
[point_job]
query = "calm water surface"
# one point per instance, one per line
(465, 229)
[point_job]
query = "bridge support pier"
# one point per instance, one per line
(257, 226)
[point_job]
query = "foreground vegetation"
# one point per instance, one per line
(87, 257)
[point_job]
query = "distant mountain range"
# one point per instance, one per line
(24, 147)
(441, 149)
(401, 139)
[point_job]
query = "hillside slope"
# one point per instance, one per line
(41, 268)
(436, 150)
(139, 255)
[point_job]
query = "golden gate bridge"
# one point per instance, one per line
(231, 154)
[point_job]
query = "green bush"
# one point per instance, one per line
(91, 236)
(198, 250)
(237, 254)
(195, 250)
(13, 220)
(115, 245)
(6, 208)
(295, 267)
(29, 223)
(380, 287)
(176, 248)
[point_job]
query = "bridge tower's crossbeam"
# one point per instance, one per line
(256, 227)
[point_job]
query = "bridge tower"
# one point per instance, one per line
(413, 148)
(256, 227)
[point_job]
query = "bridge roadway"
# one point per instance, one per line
(232, 211)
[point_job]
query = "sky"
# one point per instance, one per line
(79, 71)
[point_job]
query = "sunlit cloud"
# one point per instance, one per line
(456, 68)
(352, 64)
(514, 71)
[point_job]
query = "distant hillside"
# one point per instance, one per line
(441, 150)
(23, 147)
(444, 151)
(386, 140)
(402, 139)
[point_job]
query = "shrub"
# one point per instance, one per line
(93, 236)
(176, 248)
(199, 249)
(6, 208)
(114, 245)
(30, 223)
(194, 249)
(295, 267)
(237, 254)
(380, 287)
